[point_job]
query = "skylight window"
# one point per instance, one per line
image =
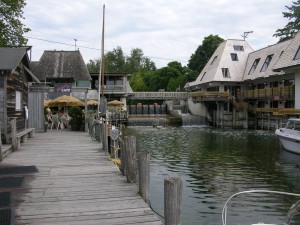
(238, 48)
(214, 60)
(297, 56)
(266, 63)
(253, 68)
(234, 57)
(225, 72)
(203, 76)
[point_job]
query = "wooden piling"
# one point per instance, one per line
(14, 142)
(130, 158)
(172, 200)
(1, 157)
(144, 176)
(122, 157)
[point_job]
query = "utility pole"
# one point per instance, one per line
(246, 34)
(75, 43)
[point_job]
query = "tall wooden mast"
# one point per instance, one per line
(102, 54)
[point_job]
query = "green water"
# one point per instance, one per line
(216, 163)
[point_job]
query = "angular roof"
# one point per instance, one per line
(61, 64)
(222, 58)
(287, 59)
(10, 57)
(275, 52)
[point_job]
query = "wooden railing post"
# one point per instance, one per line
(130, 158)
(13, 125)
(144, 168)
(172, 200)
(1, 157)
(122, 158)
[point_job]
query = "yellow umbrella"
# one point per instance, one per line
(46, 102)
(64, 101)
(92, 102)
(115, 103)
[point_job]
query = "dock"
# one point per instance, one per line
(75, 183)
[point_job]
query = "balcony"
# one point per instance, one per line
(280, 111)
(210, 96)
(276, 93)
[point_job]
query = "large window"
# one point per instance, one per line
(203, 76)
(214, 60)
(253, 68)
(238, 48)
(297, 56)
(266, 63)
(225, 72)
(234, 57)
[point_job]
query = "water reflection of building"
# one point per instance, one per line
(240, 87)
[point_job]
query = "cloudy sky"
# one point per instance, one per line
(164, 30)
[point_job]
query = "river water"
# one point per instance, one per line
(216, 163)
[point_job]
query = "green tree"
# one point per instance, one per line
(93, 66)
(203, 53)
(138, 62)
(114, 60)
(293, 26)
(162, 76)
(138, 84)
(11, 27)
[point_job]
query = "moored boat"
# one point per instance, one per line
(289, 136)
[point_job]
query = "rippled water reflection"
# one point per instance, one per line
(216, 163)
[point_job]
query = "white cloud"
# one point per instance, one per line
(162, 29)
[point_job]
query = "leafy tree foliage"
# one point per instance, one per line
(166, 77)
(138, 84)
(138, 62)
(201, 56)
(293, 26)
(115, 61)
(11, 27)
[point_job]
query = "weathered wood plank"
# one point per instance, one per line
(76, 184)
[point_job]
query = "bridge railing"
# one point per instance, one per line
(159, 95)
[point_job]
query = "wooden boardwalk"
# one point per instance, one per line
(76, 184)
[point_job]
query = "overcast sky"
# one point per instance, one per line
(164, 30)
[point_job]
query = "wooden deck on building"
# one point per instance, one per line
(76, 184)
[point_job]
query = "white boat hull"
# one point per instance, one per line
(289, 139)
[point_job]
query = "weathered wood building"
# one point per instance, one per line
(64, 71)
(15, 76)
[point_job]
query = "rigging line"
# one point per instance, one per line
(98, 49)
(62, 43)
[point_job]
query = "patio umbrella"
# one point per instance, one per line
(46, 102)
(64, 101)
(92, 102)
(115, 103)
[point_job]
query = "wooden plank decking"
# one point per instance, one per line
(76, 184)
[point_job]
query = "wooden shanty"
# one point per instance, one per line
(15, 75)
(64, 71)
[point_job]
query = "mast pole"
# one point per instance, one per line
(102, 49)
(100, 86)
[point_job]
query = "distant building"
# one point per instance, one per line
(64, 71)
(238, 84)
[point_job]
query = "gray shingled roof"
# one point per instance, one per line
(213, 69)
(11, 57)
(287, 58)
(275, 50)
(61, 64)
